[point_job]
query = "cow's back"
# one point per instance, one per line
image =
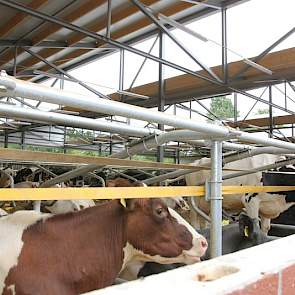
(243, 164)
(230, 202)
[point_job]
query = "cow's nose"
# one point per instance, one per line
(203, 243)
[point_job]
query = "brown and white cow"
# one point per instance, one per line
(265, 205)
(78, 252)
(6, 179)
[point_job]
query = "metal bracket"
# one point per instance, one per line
(208, 196)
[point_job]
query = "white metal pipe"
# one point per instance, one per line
(158, 140)
(73, 121)
(260, 169)
(216, 200)
(255, 152)
(228, 159)
(14, 87)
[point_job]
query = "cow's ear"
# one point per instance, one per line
(246, 226)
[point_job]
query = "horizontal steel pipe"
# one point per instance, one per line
(259, 169)
(14, 87)
(228, 159)
(10, 111)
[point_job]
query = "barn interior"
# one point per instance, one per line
(59, 117)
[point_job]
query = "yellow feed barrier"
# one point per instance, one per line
(20, 194)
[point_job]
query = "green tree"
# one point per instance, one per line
(262, 111)
(221, 107)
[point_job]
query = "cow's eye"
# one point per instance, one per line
(159, 211)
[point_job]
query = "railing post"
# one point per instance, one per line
(216, 199)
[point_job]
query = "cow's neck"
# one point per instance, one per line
(88, 244)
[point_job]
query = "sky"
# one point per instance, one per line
(252, 27)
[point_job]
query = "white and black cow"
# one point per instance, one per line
(265, 205)
(65, 206)
(78, 252)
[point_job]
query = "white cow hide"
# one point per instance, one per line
(64, 206)
(263, 204)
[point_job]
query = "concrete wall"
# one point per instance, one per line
(265, 269)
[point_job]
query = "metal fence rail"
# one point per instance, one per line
(22, 194)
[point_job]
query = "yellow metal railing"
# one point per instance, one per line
(19, 194)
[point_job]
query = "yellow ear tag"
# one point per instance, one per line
(225, 222)
(123, 202)
(246, 231)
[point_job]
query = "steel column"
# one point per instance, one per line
(109, 22)
(5, 139)
(121, 71)
(235, 109)
(270, 113)
(224, 45)
(161, 93)
(216, 199)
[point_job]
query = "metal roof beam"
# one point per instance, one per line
(216, 4)
(19, 17)
(49, 30)
(100, 37)
(262, 54)
(117, 15)
(52, 44)
(146, 11)
(67, 74)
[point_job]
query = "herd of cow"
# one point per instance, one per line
(73, 247)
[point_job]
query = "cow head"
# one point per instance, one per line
(157, 233)
(6, 180)
(250, 232)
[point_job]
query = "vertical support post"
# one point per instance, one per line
(121, 71)
(61, 86)
(224, 45)
(62, 82)
(65, 139)
(5, 139)
(285, 92)
(177, 160)
(15, 62)
(100, 149)
(216, 199)
(235, 108)
(111, 145)
(161, 93)
(22, 143)
(270, 113)
(109, 20)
